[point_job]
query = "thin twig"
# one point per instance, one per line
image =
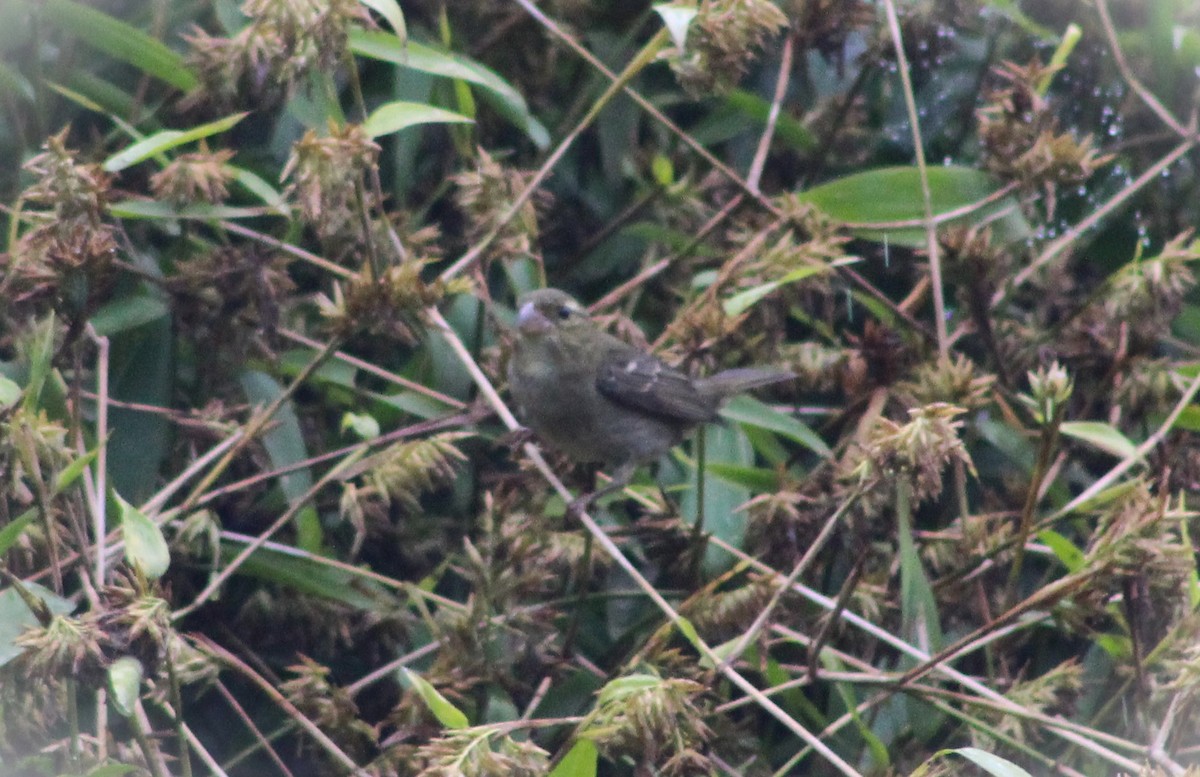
(931, 243)
(1136, 85)
(883, 635)
(764, 142)
(375, 370)
(282, 702)
(236, 562)
(785, 585)
(1069, 237)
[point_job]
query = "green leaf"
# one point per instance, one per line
(677, 18)
(746, 409)
(757, 479)
(1188, 420)
(125, 682)
(743, 301)
(688, 630)
(145, 547)
(15, 615)
(787, 128)
(70, 473)
(726, 445)
(257, 186)
(918, 607)
(127, 313)
(390, 10)
(365, 427)
(849, 699)
(112, 770)
(1102, 435)
(155, 144)
(285, 445)
(120, 41)
(308, 575)
(10, 393)
(14, 84)
(447, 714)
(395, 116)
(13, 530)
(628, 685)
(41, 353)
(153, 209)
(992, 764)
(580, 761)
(142, 372)
(1065, 550)
(894, 194)
(1070, 38)
(416, 56)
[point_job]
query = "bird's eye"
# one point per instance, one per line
(564, 312)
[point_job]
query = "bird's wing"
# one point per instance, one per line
(641, 381)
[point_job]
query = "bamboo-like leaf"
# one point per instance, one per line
(395, 116)
(155, 209)
(447, 714)
(125, 682)
(416, 56)
(145, 547)
(13, 530)
(1101, 435)
(748, 410)
(390, 10)
(990, 763)
(894, 194)
(120, 41)
(1065, 550)
(677, 18)
(580, 761)
(70, 473)
(165, 140)
(744, 300)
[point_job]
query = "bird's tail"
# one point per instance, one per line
(735, 381)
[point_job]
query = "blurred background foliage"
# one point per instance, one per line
(260, 512)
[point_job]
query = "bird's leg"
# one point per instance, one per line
(621, 477)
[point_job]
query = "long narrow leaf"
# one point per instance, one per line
(166, 140)
(498, 92)
(120, 41)
(395, 116)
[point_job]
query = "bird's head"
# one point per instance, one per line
(548, 312)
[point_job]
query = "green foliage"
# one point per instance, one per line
(257, 271)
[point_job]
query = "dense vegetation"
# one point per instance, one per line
(264, 510)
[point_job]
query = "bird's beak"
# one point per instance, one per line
(530, 320)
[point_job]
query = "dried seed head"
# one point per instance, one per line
(66, 259)
(393, 306)
(1049, 389)
(721, 42)
(647, 717)
(957, 381)
(262, 63)
(67, 647)
(199, 177)
(486, 194)
(326, 179)
(917, 451)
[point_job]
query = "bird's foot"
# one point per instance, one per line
(515, 438)
(581, 503)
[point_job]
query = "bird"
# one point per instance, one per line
(601, 400)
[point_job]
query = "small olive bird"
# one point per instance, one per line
(599, 399)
